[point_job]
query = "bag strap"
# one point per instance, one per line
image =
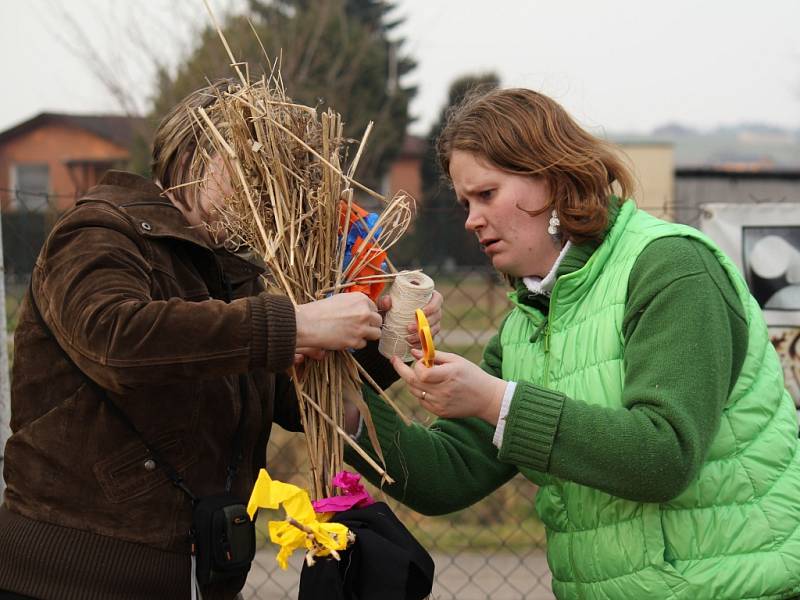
(168, 469)
(237, 454)
(171, 473)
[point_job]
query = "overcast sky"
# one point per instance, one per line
(619, 65)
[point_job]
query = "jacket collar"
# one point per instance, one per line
(133, 182)
(155, 216)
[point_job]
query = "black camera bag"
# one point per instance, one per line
(224, 538)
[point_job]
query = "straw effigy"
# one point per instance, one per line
(291, 203)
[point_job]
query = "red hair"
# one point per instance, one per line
(526, 133)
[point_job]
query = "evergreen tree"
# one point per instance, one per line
(440, 234)
(335, 53)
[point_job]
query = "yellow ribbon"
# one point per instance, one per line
(302, 527)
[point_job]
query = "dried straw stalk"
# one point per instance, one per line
(284, 162)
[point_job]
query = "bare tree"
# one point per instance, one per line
(332, 53)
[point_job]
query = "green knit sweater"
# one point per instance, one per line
(652, 447)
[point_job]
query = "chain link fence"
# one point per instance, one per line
(494, 549)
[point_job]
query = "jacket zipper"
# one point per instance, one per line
(542, 332)
(546, 377)
(550, 312)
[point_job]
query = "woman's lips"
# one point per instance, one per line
(490, 246)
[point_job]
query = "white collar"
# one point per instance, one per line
(544, 287)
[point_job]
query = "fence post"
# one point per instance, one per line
(5, 388)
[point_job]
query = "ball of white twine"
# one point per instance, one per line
(409, 292)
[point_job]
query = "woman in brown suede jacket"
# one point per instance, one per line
(131, 300)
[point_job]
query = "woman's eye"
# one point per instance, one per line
(486, 194)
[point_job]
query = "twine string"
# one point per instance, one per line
(409, 292)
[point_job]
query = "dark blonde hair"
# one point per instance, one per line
(176, 141)
(526, 133)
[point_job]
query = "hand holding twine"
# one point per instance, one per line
(409, 292)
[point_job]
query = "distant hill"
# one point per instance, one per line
(745, 146)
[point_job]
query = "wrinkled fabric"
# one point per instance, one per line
(733, 533)
(353, 494)
(134, 306)
(386, 562)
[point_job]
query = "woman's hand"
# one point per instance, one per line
(453, 387)
(432, 310)
(301, 357)
(338, 322)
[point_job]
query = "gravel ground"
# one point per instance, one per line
(462, 576)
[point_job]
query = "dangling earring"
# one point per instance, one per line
(554, 228)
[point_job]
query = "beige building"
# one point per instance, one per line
(653, 164)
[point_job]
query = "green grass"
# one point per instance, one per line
(440, 535)
(503, 521)
(475, 302)
(13, 302)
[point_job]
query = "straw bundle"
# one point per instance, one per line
(290, 203)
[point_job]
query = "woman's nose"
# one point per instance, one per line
(474, 220)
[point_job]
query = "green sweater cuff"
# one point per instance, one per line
(531, 425)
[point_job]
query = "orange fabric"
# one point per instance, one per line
(370, 260)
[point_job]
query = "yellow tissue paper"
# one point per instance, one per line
(303, 527)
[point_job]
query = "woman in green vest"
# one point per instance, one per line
(633, 380)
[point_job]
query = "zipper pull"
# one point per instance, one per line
(546, 340)
(538, 331)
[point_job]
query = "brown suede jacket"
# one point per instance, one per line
(133, 304)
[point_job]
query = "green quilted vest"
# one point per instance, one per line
(733, 533)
